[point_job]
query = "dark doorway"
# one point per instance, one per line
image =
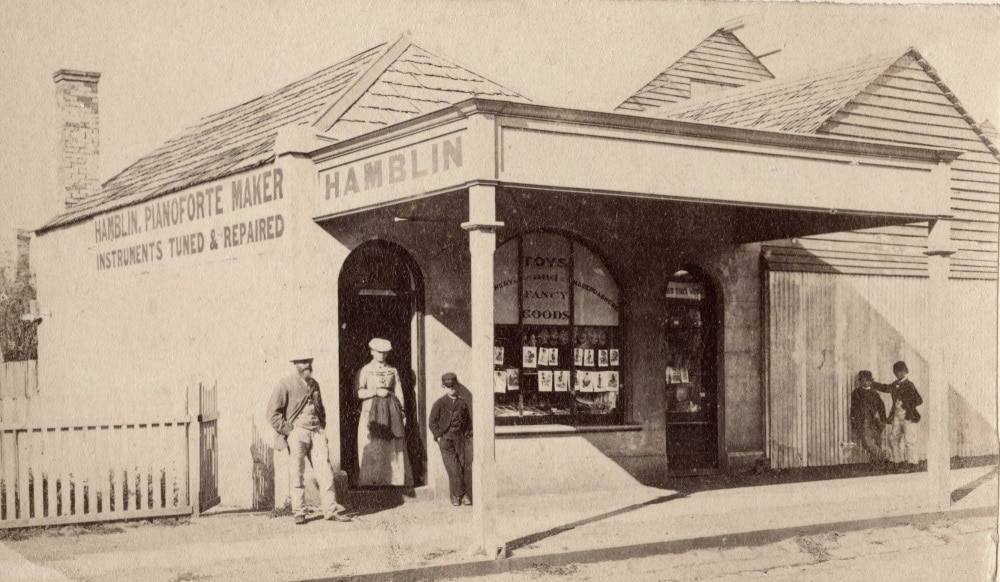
(691, 340)
(380, 295)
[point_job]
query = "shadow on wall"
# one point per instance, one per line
(414, 444)
(969, 428)
(823, 329)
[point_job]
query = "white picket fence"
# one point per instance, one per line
(129, 467)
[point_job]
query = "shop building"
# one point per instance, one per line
(639, 293)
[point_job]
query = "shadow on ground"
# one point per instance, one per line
(685, 486)
(369, 501)
(536, 537)
(758, 478)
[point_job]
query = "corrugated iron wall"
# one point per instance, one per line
(823, 328)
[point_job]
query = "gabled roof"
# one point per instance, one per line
(812, 103)
(377, 87)
(721, 60)
(413, 84)
(798, 106)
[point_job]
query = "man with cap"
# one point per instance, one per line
(296, 412)
(451, 425)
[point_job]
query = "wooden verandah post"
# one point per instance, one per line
(482, 227)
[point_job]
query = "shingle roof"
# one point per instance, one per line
(806, 104)
(415, 83)
(375, 88)
(798, 106)
(720, 60)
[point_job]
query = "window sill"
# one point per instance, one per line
(557, 429)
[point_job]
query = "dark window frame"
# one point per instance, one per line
(617, 416)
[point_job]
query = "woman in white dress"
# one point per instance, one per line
(382, 426)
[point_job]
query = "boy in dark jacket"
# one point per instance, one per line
(451, 424)
(868, 417)
(903, 417)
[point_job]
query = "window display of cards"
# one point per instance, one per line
(676, 375)
(499, 381)
(585, 381)
(545, 381)
(513, 379)
(608, 381)
(555, 363)
(561, 380)
(530, 357)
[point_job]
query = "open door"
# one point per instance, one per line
(691, 340)
(379, 296)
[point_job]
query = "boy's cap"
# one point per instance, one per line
(449, 377)
(865, 375)
(900, 366)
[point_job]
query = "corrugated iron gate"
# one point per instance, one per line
(823, 328)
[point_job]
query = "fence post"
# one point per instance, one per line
(194, 448)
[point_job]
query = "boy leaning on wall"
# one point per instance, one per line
(868, 417)
(903, 418)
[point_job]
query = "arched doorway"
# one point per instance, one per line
(691, 339)
(380, 294)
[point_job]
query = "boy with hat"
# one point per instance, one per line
(451, 424)
(904, 417)
(868, 416)
(296, 412)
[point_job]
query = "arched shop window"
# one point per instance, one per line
(559, 350)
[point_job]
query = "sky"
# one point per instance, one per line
(164, 65)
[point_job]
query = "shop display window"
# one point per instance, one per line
(685, 344)
(559, 352)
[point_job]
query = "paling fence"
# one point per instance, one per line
(126, 466)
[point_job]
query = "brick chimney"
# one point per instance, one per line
(79, 140)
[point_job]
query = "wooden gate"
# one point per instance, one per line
(208, 453)
(107, 469)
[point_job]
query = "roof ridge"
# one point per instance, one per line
(933, 74)
(361, 84)
(726, 32)
(745, 47)
(843, 102)
(870, 61)
(470, 71)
